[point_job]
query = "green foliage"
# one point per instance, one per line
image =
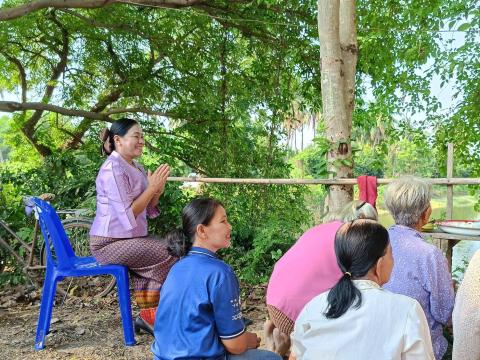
(171, 204)
(4, 149)
(312, 161)
(369, 161)
(266, 221)
(412, 154)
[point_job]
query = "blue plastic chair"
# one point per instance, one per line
(68, 264)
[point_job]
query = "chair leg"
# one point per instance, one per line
(50, 312)
(46, 308)
(125, 308)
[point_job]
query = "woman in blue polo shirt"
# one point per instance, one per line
(199, 315)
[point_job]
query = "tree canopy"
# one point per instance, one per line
(188, 62)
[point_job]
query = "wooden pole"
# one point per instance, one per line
(449, 214)
(436, 181)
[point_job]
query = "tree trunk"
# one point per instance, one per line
(348, 44)
(337, 64)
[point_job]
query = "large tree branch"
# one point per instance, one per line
(99, 24)
(32, 6)
(209, 9)
(139, 110)
(29, 126)
(13, 106)
(22, 74)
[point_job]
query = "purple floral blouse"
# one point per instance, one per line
(118, 185)
(421, 271)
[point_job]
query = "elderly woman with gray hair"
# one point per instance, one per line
(420, 270)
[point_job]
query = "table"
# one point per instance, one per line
(446, 242)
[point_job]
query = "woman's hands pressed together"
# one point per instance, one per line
(156, 186)
(158, 179)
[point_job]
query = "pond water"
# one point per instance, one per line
(463, 209)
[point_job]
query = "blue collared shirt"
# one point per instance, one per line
(199, 306)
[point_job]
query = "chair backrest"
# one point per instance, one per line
(54, 235)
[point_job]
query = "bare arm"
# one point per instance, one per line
(141, 203)
(155, 199)
(241, 343)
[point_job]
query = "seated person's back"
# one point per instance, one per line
(421, 270)
(357, 319)
(307, 269)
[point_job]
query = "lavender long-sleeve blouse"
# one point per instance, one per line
(118, 185)
(421, 271)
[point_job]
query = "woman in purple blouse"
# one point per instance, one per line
(420, 270)
(126, 195)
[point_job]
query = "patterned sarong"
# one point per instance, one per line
(280, 320)
(148, 261)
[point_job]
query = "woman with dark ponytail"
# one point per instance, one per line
(200, 299)
(357, 319)
(307, 269)
(126, 196)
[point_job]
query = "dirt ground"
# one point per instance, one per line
(84, 329)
